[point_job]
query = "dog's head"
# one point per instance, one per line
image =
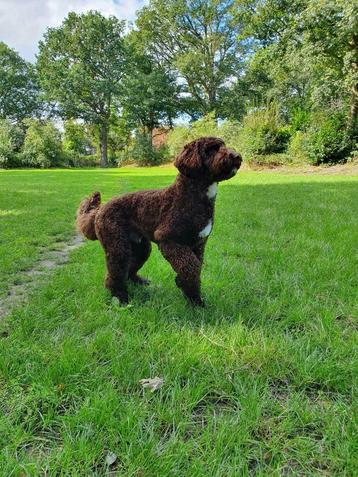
(208, 158)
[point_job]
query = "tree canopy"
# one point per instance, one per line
(81, 65)
(240, 61)
(19, 91)
(199, 40)
(150, 94)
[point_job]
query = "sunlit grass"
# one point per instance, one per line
(260, 382)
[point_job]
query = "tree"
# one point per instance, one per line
(150, 95)
(81, 66)
(308, 50)
(332, 27)
(19, 91)
(11, 140)
(199, 40)
(119, 136)
(76, 139)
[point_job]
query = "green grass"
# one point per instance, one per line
(261, 382)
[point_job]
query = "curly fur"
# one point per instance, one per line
(178, 219)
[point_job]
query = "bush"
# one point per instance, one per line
(142, 152)
(328, 141)
(177, 138)
(230, 132)
(42, 146)
(300, 120)
(272, 160)
(262, 134)
(297, 148)
(11, 139)
(181, 135)
(82, 160)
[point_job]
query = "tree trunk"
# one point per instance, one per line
(212, 102)
(353, 107)
(103, 141)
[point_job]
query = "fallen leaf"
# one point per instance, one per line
(111, 458)
(152, 383)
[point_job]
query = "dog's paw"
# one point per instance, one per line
(115, 302)
(197, 301)
(122, 297)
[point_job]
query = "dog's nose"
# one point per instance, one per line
(233, 154)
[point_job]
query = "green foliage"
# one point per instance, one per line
(299, 120)
(180, 135)
(264, 139)
(78, 145)
(142, 152)
(11, 139)
(308, 51)
(119, 137)
(83, 160)
(177, 138)
(261, 138)
(298, 148)
(19, 91)
(42, 145)
(220, 62)
(150, 93)
(230, 131)
(86, 54)
(76, 140)
(81, 65)
(327, 138)
(205, 126)
(199, 40)
(263, 133)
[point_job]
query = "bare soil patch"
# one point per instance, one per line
(348, 169)
(48, 262)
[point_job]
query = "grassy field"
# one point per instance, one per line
(261, 382)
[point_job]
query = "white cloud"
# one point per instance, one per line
(23, 22)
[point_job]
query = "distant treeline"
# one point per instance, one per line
(277, 79)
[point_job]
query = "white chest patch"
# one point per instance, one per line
(206, 230)
(212, 190)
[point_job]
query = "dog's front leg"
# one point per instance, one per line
(187, 266)
(199, 251)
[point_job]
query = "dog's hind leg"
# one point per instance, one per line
(118, 261)
(140, 251)
(117, 250)
(187, 266)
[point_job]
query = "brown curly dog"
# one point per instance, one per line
(179, 219)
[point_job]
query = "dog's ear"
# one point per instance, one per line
(210, 146)
(191, 161)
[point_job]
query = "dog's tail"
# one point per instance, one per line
(86, 215)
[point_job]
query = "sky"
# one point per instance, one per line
(23, 22)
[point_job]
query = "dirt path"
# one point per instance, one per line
(350, 168)
(49, 261)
